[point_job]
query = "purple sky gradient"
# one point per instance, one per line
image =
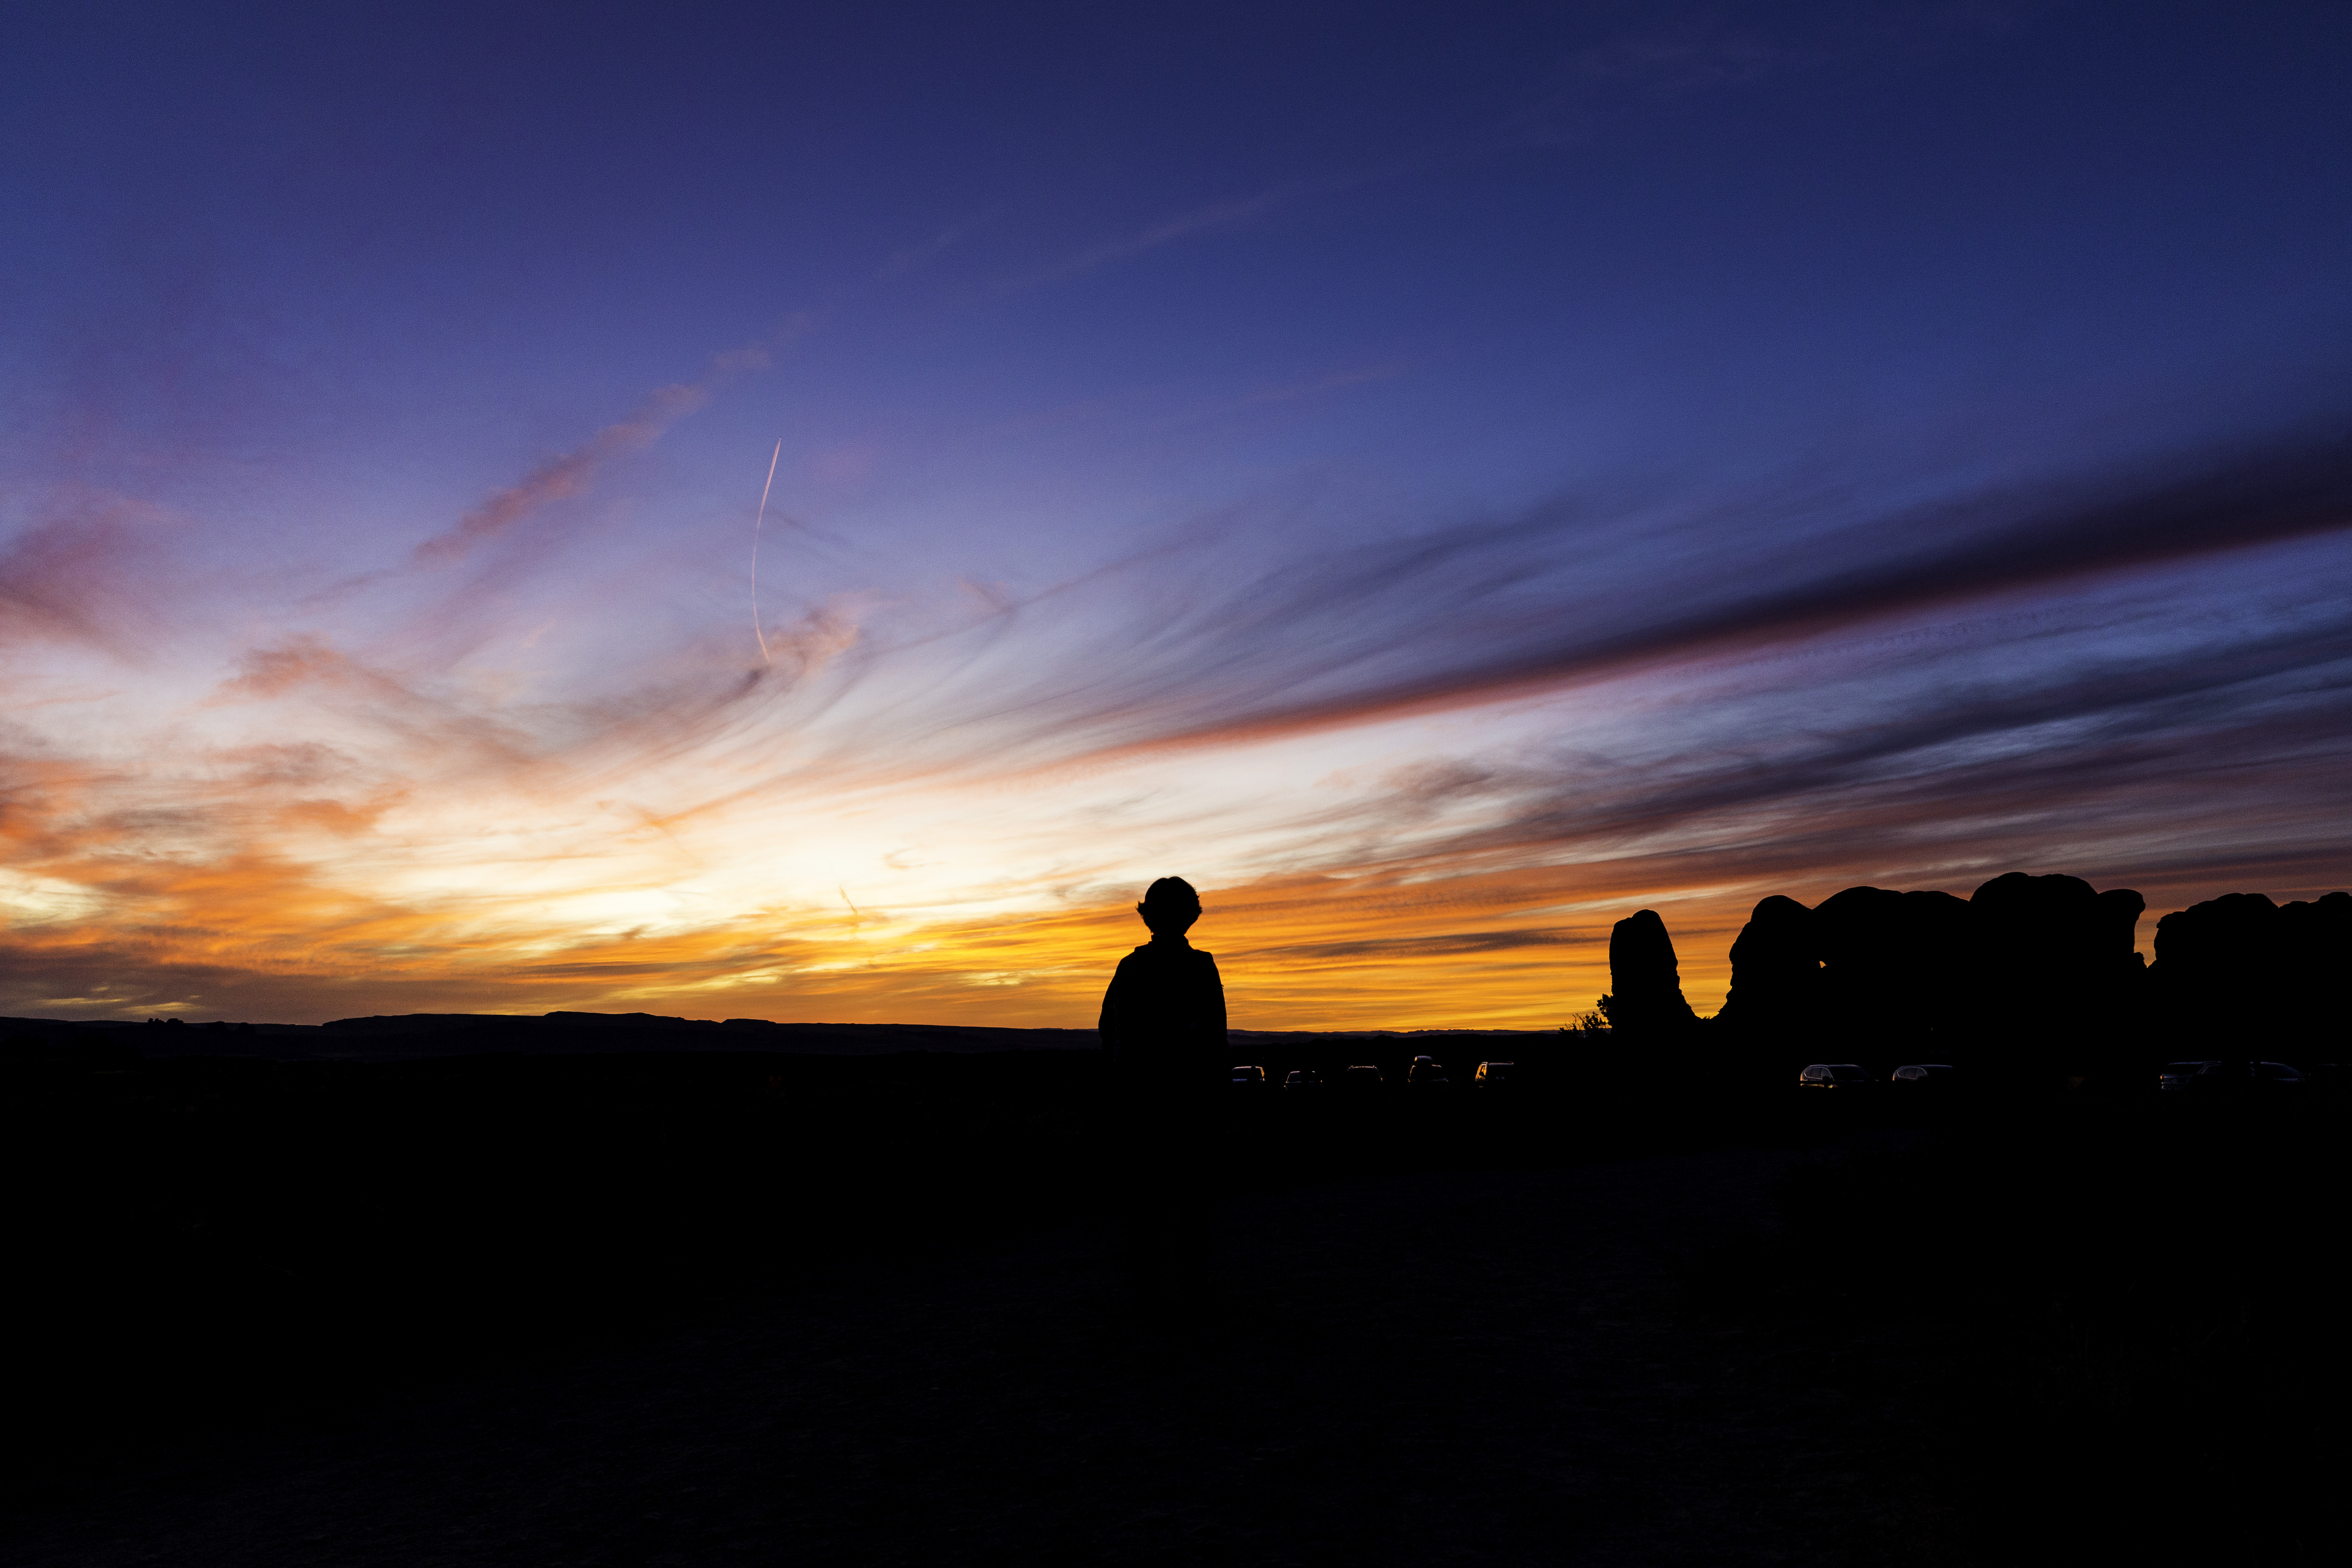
(1591, 454)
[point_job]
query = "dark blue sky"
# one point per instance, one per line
(1811, 444)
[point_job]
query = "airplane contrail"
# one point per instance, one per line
(762, 518)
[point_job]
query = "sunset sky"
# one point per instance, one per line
(1438, 478)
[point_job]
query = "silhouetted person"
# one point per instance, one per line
(1163, 1028)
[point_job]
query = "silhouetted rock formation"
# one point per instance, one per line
(2239, 976)
(1890, 966)
(2316, 938)
(1645, 985)
(1776, 975)
(2032, 970)
(2057, 960)
(2216, 973)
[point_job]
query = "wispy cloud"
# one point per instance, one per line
(931, 795)
(1236, 212)
(78, 575)
(571, 473)
(1291, 392)
(1198, 220)
(1689, 51)
(1484, 608)
(564, 476)
(914, 258)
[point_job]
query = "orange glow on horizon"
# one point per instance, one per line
(1490, 951)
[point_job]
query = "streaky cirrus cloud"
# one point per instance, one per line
(82, 573)
(570, 474)
(1573, 590)
(1832, 445)
(939, 799)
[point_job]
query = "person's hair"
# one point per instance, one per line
(1169, 904)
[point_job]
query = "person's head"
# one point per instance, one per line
(1169, 906)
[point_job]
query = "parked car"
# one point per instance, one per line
(1834, 1075)
(1492, 1073)
(1303, 1077)
(2222, 1077)
(1425, 1073)
(1360, 1076)
(1248, 1077)
(2176, 1075)
(1923, 1074)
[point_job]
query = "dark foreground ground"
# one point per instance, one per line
(615, 1312)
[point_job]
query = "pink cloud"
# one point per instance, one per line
(73, 578)
(573, 473)
(560, 478)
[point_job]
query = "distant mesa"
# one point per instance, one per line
(559, 1033)
(417, 1035)
(409, 1023)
